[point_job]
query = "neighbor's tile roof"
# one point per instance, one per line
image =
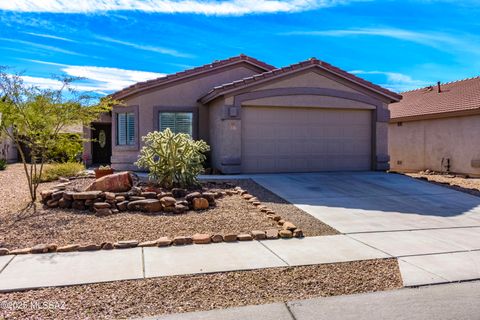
(462, 95)
(188, 73)
(217, 91)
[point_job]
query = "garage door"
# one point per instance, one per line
(305, 139)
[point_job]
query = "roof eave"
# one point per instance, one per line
(121, 95)
(212, 95)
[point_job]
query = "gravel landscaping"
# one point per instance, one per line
(21, 228)
(459, 183)
(204, 292)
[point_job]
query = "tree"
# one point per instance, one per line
(34, 118)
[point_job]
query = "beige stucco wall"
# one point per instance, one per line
(230, 130)
(421, 145)
(179, 94)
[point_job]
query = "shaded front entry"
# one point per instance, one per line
(102, 143)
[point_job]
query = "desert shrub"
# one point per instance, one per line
(53, 171)
(67, 148)
(173, 160)
(3, 164)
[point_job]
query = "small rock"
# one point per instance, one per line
(63, 180)
(57, 195)
(164, 242)
(179, 193)
(298, 233)
(136, 198)
(122, 206)
(63, 203)
(135, 191)
(147, 205)
(200, 204)
(244, 237)
(281, 222)
(119, 198)
(68, 248)
(86, 195)
(258, 235)
(52, 203)
(229, 192)
(230, 237)
(39, 248)
(89, 247)
(107, 246)
(4, 251)
(103, 212)
(285, 233)
(210, 197)
(201, 238)
(46, 194)
(168, 202)
(110, 196)
(256, 203)
(272, 234)
(52, 247)
(164, 194)
(115, 211)
(287, 225)
(149, 194)
(180, 208)
(243, 192)
(68, 195)
(264, 209)
(247, 196)
(102, 205)
(179, 241)
(21, 251)
(152, 243)
(188, 240)
(189, 197)
(125, 244)
(217, 238)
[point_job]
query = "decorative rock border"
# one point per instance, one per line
(286, 229)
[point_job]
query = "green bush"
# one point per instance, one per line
(67, 148)
(173, 160)
(53, 171)
(3, 164)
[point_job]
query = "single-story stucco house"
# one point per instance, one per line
(306, 117)
(437, 128)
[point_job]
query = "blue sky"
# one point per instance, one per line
(401, 45)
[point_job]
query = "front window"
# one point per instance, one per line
(178, 122)
(125, 129)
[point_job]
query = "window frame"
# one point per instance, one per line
(169, 109)
(120, 110)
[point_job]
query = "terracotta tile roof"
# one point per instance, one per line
(188, 73)
(219, 90)
(461, 95)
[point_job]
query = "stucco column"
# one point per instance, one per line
(382, 158)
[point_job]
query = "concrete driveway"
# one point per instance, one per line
(353, 202)
(433, 230)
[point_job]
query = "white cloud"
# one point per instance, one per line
(41, 35)
(156, 49)
(207, 7)
(41, 46)
(437, 40)
(97, 79)
(395, 81)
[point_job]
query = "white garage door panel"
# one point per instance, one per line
(303, 140)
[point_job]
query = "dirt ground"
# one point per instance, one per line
(21, 228)
(459, 183)
(120, 300)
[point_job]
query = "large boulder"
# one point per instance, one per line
(117, 182)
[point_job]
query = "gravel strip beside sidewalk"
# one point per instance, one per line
(205, 292)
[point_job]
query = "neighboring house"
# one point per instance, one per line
(310, 116)
(8, 151)
(437, 128)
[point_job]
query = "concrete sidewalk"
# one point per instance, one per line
(440, 302)
(61, 269)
